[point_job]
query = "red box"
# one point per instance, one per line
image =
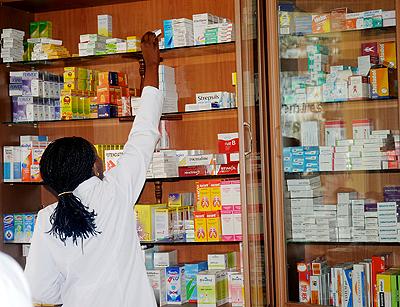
(380, 263)
(198, 170)
(370, 49)
(122, 79)
(305, 271)
(226, 169)
(228, 142)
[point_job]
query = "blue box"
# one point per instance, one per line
(192, 269)
(168, 33)
(28, 226)
(107, 110)
(8, 222)
(312, 169)
(311, 164)
(314, 158)
(297, 169)
(176, 284)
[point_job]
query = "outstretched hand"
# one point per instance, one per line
(150, 49)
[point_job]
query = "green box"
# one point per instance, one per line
(28, 49)
(45, 29)
(34, 29)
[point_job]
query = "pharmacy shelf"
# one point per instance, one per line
(167, 116)
(289, 175)
(116, 58)
(349, 33)
(208, 177)
(170, 179)
(152, 243)
(342, 242)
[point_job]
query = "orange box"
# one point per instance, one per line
(214, 233)
(200, 226)
(134, 92)
(125, 92)
(215, 194)
(204, 196)
(118, 92)
(321, 23)
(108, 78)
(383, 83)
(123, 79)
(106, 94)
(387, 54)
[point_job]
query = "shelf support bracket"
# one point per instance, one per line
(158, 191)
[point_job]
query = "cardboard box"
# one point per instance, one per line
(200, 226)
(214, 233)
(192, 270)
(383, 83)
(321, 23)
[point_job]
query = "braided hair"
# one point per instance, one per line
(65, 164)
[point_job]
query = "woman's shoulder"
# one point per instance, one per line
(47, 211)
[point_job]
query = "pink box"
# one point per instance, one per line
(237, 223)
(226, 193)
(227, 220)
(236, 193)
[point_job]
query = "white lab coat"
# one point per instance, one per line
(110, 270)
(14, 288)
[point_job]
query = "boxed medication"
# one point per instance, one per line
(355, 21)
(158, 283)
(213, 226)
(104, 25)
(176, 284)
(165, 259)
(200, 226)
(310, 133)
(321, 23)
(372, 19)
(387, 54)
(217, 261)
(383, 83)
(228, 142)
(192, 270)
(8, 223)
(145, 215)
(358, 88)
(207, 289)
(163, 222)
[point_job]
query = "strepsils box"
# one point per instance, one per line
(215, 97)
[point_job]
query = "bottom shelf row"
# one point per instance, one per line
(371, 282)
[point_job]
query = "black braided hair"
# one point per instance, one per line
(65, 164)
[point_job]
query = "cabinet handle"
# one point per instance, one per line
(251, 138)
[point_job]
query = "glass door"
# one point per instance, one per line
(335, 117)
(257, 243)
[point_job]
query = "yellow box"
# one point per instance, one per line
(53, 47)
(75, 72)
(204, 196)
(144, 220)
(200, 226)
(387, 54)
(214, 233)
(215, 195)
(69, 104)
(383, 83)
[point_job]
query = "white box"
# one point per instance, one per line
(345, 198)
(157, 282)
(217, 261)
(227, 223)
(310, 133)
(165, 259)
(104, 25)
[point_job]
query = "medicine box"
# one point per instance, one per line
(8, 223)
(104, 25)
(158, 283)
(213, 226)
(207, 289)
(176, 284)
(192, 269)
(228, 142)
(163, 222)
(217, 261)
(165, 259)
(200, 226)
(145, 215)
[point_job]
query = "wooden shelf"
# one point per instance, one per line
(120, 58)
(41, 6)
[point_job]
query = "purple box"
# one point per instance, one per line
(107, 110)
(391, 190)
(370, 208)
(395, 198)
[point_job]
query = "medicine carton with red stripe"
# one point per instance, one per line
(228, 142)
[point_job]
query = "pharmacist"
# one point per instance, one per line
(85, 250)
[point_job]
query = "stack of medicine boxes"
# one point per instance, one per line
(387, 221)
(183, 32)
(304, 196)
(200, 22)
(301, 159)
(12, 46)
(226, 31)
(164, 164)
(92, 44)
(344, 215)
(111, 45)
(168, 87)
(317, 63)
(358, 218)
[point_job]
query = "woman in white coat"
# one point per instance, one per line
(85, 250)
